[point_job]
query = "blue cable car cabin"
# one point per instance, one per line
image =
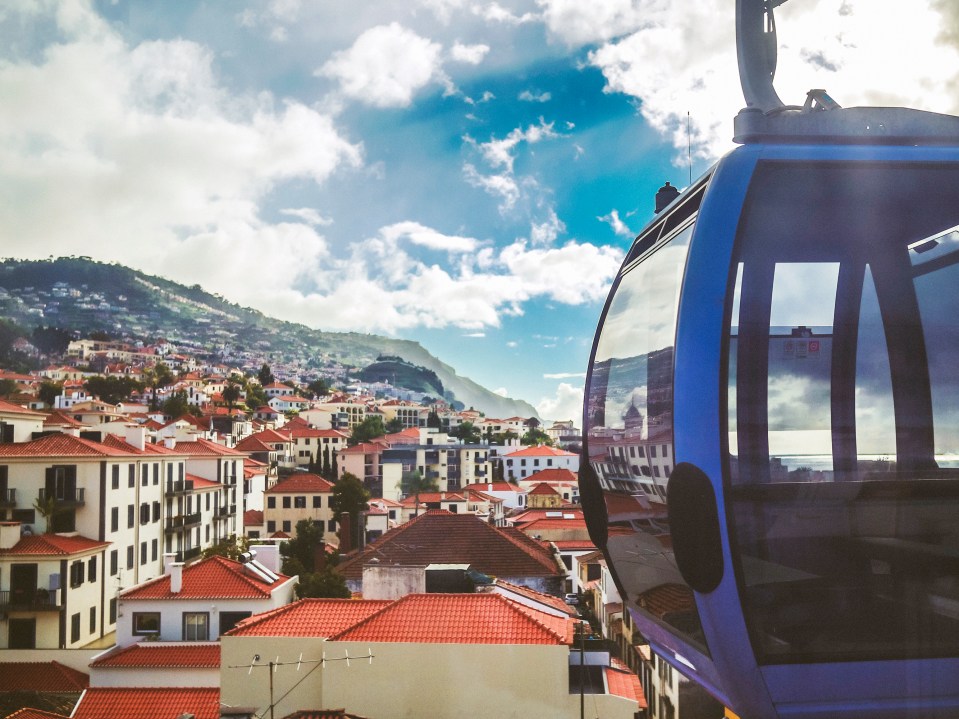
(774, 386)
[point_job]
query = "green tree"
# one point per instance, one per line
(8, 387)
(302, 547)
(48, 509)
(231, 393)
(334, 468)
(325, 466)
(433, 420)
(536, 436)
(112, 389)
(265, 375)
(394, 425)
(49, 391)
(317, 388)
(157, 376)
(230, 547)
(414, 483)
(468, 433)
(326, 583)
(50, 340)
(369, 428)
(177, 405)
(350, 497)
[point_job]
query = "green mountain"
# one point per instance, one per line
(83, 296)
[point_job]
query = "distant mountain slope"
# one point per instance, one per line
(77, 293)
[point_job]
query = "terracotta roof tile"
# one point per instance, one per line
(58, 418)
(623, 683)
(308, 618)
(53, 544)
(60, 445)
(213, 578)
(432, 497)
(41, 677)
(458, 619)
(301, 482)
(553, 474)
(35, 714)
(543, 489)
(547, 599)
(253, 444)
(540, 451)
(161, 655)
(148, 703)
(438, 536)
(252, 518)
(200, 482)
(206, 448)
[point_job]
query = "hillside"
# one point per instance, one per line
(79, 294)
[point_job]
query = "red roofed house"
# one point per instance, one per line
(148, 703)
(200, 601)
(300, 496)
(158, 664)
(311, 444)
(424, 655)
(524, 462)
(48, 684)
(564, 481)
(543, 496)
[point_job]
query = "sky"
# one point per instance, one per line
(463, 173)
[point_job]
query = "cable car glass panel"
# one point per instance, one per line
(843, 407)
(629, 418)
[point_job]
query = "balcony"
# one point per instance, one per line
(42, 600)
(182, 521)
(181, 486)
(63, 497)
(187, 554)
(8, 497)
(225, 510)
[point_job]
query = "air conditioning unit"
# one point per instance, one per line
(26, 530)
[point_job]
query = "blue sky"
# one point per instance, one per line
(464, 173)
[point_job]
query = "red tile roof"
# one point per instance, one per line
(301, 482)
(53, 544)
(205, 448)
(540, 451)
(553, 474)
(546, 599)
(148, 703)
(60, 445)
(432, 497)
(161, 655)
(252, 518)
(438, 536)
(459, 619)
(253, 444)
(308, 618)
(201, 483)
(623, 683)
(41, 677)
(35, 714)
(213, 578)
(58, 418)
(303, 432)
(11, 408)
(365, 448)
(492, 487)
(543, 489)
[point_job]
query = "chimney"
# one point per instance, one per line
(346, 533)
(168, 559)
(176, 577)
(169, 442)
(136, 435)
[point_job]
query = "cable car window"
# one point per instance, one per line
(629, 412)
(843, 411)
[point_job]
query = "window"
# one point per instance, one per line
(115, 519)
(652, 450)
(286, 502)
(299, 502)
(156, 511)
(144, 513)
(169, 473)
(143, 552)
(145, 476)
(75, 627)
(271, 502)
(93, 620)
(317, 501)
(113, 611)
(115, 477)
(665, 450)
(271, 526)
(130, 555)
(92, 570)
(156, 473)
(208, 501)
(146, 623)
(76, 574)
(154, 547)
(287, 525)
(196, 626)
(331, 525)
(131, 516)
(114, 561)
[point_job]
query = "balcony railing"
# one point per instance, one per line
(64, 497)
(187, 554)
(180, 486)
(29, 600)
(182, 521)
(225, 510)
(8, 497)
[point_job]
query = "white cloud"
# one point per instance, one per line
(570, 274)
(469, 54)
(842, 45)
(308, 215)
(475, 335)
(566, 404)
(528, 96)
(619, 227)
(546, 232)
(512, 344)
(501, 391)
(427, 237)
(494, 12)
(565, 375)
(385, 66)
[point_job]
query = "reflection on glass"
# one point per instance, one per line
(844, 413)
(629, 407)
